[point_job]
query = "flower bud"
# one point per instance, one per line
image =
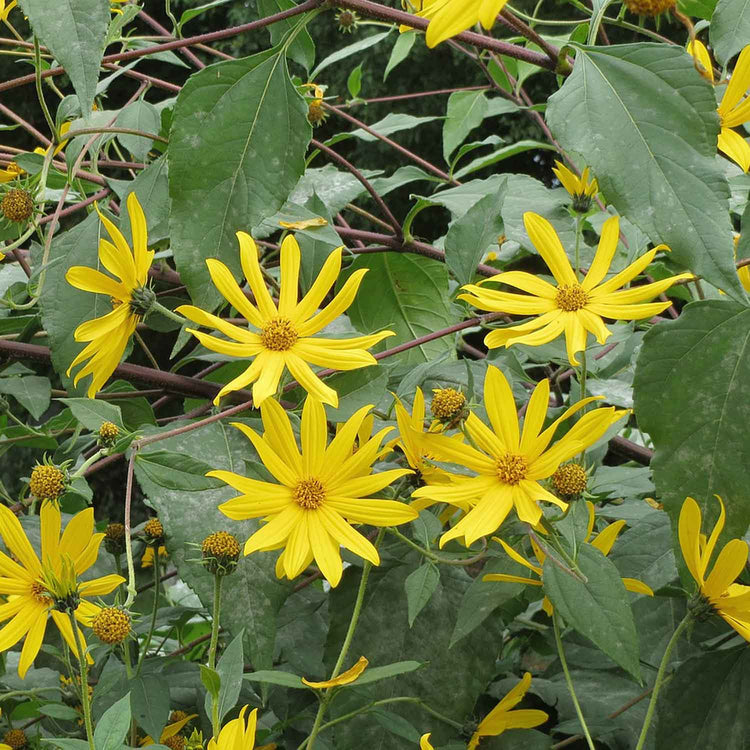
(220, 552)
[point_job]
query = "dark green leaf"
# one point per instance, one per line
(373, 674)
(354, 82)
(607, 112)
(287, 679)
(465, 111)
(350, 49)
(176, 471)
(92, 412)
(406, 294)
(149, 702)
(31, 391)
(74, 32)
(598, 608)
(400, 51)
(143, 116)
(152, 189)
(229, 668)
(113, 726)
(730, 28)
(704, 705)
(470, 237)
(237, 149)
(420, 585)
(59, 711)
(302, 49)
(701, 443)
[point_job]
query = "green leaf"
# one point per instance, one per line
(645, 551)
(701, 443)
(113, 726)
(606, 111)
(302, 49)
(350, 49)
(212, 682)
(67, 744)
(598, 608)
(59, 711)
(237, 149)
(384, 636)
(191, 13)
(420, 585)
(74, 32)
(374, 674)
(92, 412)
(400, 51)
(730, 28)
(465, 111)
(277, 677)
(393, 122)
(698, 8)
(188, 517)
(705, 703)
(354, 82)
(31, 391)
(470, 237)
(229, 668)
(506, 152)
(407, 294)
(356, 389)
(176, 471)
(140, 115)
(149, 702)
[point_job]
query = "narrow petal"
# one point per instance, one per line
(623, 277)
(290, 260)
(317, 352)
(342, 445)
(17, 628)
(101, 586)
(254, 276)
(451, 21)
(281, 471)
(604, 540)
(520, 559)
(32, 644)
(629, 312)
(248, 376)
(226, 284)
(297, 551)
(16, 541)
(102, 326)
(375, 512)
(637, 587)
(447, 449)
(91, 280)
(525, 718)
(484, 437)
(708, 551)
(501, 408)
(483, 519)
(604, 253)
(278, 433)
(739, 82)
(139, 231)
(521, 280)
(346, 536)
(49, 527)
(275, 532)
(549, 332)
(314, 435)
(511, 699)
(536, 413)
(325, 550)
(575, 337)
(345, 678)
(594, 325)
(488, 11)
(548, 245)
(642, 292)
(339, 304)
(252, 506)
(729, 564)
(203, 318)
(302, 373)
(324, 281)
(689, 529)
(369, 485)
(268, 381)
(733, 145)
(517, 304)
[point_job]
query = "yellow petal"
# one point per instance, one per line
(254, 276)
(689, 528)
(345, 678)
(318, 221)
(735, 147)
(604, 253)
(697, 49)
(501, 408)
(545, 240)
(290, 260)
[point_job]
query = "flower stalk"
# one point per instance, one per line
(84, 672)
(216, 613)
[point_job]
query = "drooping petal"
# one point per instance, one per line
(733, 145)
(549, 326)
(739, 82)
(604, 253)
(345, 678)
(297, 551)
(484, 518)
(325, 550)
(302, 373)
(91, 280)
(575, 337)
(248, 376)
(97, 328)
(254, 276)
(276, 531)
(32, 644)
(346, 536)
(689, 529)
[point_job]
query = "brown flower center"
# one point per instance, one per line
(570, 479)
(309, 493)
(571, 297)
(511, 469)
(39, 592)
(447, 403)
(278, 335)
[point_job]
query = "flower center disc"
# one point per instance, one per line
(309, 494)
(571, 297)
(278, 335)
(511, 469)
(39, 592)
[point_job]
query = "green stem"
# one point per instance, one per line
(154, 611)
(146, 351)
(432, 556)
(345, 645)
(569, 681)
(40, 93)
(167, 313)
(85, 465)
(212, 651)
(660, 679)
(84, 680)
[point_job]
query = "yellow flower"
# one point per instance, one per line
(285, 333)
(170, 730)
(319, 489)
(451, 17)
(603, 541)
(6, 9)
(581, 189)
(109, 334)
(64, 128)
(734, 109)
(237, 734)
(147, 561)
(345, 678)
(32, 586)
(11, 171)
(729, 600)
(510, 464)
(424, 742)
(573, 308)
(502, 717)
(698, 50)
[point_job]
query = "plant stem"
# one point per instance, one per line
(85, 465)
(660, 679)
(154, 611)
(39, 92)
(128, 540)
(430, 555)
(345, 645)
(84, 680)
(212, 651)
(167, 313)
(569, 681)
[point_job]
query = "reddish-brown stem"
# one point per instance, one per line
(516, 24)
(213, 36)
(156, 26)
(27, 126)
(418, 94)
(416, 159)
(365, 183)
(78, 206)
